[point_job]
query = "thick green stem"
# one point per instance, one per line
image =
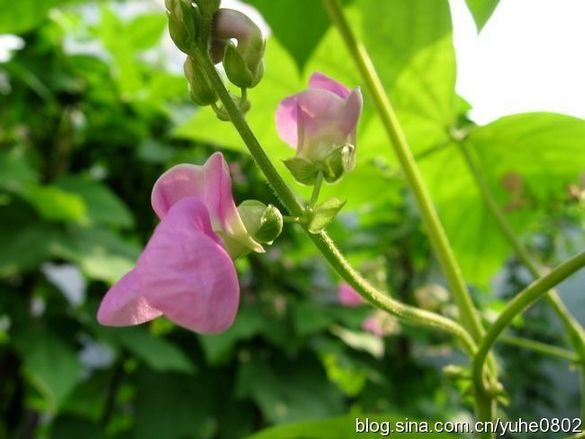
(469, 316)
(323, 242)
(522, 301)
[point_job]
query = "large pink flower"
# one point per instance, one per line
(185, 271)
(321, 119)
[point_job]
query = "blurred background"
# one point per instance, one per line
(93, 108)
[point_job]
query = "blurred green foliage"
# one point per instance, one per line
(92, 112)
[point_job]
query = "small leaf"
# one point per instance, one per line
(303, 171)
(325, 213)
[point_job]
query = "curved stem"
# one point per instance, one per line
(542, 348)
(522, 300)
(438, 237)
(573, 328)
(323, 242)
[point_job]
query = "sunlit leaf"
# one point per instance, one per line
(23, 15)
(481, 10)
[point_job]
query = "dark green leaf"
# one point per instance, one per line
(287, 17)
(187, 400)
(289, 390)
(156, 352)
(481, 10)
(50, 365)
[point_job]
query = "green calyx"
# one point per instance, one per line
(333, 166)
(201, 90)
(263, 223)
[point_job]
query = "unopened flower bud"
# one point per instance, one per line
(183, 24)
(264, 223)
(201, 90)
(242, 62)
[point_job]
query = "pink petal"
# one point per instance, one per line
(211, 183)
(373, 325)
(186, 273)
(286, 120)
(319, 80)
(124, 305)
(348, 296)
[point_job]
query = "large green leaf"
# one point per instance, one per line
(411, 46)
(528, 161)
(23, 15)
(49, 364)
(481, 10)
(298, 24)
(349, 427)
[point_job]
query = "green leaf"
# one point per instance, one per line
(543, 152)
(49, 364)
(188, 399)
(26, 242)
(55, 204)
(288, 391)
(103, 205)
(287, 17)
(325, 213)
(156, 352)
(100, 253)
(218, 347)
(18, 17)
(481, 10)
(347, 427)
(145, 31)
(410, 43)
(15, 171)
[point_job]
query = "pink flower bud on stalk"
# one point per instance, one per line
(186, 271)
(242, 62)
(320, 123)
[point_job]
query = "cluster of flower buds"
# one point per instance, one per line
(202, 28)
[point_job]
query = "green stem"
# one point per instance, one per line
(322, 240)
(316, 189)
(469, 316)
(573, 328)
(541, 348)
(522, 300)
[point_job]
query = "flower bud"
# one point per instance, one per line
(320, 123)
(201, 90)
(263, 223)
(183, 24)
(242, 62)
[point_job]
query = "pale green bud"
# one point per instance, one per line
(263, 223)
(201, 90)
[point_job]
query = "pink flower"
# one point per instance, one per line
(185, 271)
(348, 296)
(320, 120)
